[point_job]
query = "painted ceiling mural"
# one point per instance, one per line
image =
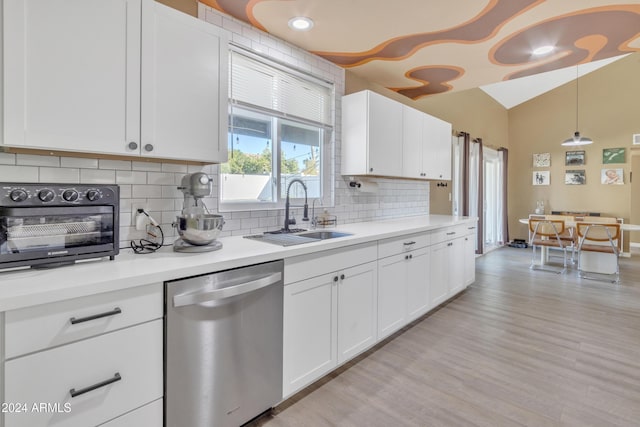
(424, 47)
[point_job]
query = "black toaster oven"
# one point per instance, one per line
(48, 225)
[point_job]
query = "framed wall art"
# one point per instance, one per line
(541, 160)
(574, 158)
(612, 155)
(612, 176)
(541, 177)
(575, 177)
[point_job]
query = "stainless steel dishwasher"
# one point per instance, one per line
(223, 346)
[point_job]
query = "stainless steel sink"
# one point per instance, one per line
(323, 235)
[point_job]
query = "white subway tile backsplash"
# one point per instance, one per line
(174, 167)
(9, 173)
(78, 162)
(114, 164)
(131, 177)
(97, 176)
(160, 205)
(35, 160)
(7, 159)
(146, 166)
(125, 191)
(146, 191)
(66, 175)
(160, 178)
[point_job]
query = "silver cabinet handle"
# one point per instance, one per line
(451, 233)
(148, 147)
(113, 312)
(409, 243)
(116, 377)
(471, 228)
(231, 291)
(133, 145)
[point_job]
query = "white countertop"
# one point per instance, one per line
(28, 287)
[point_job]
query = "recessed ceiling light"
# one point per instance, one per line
(300, 23)
(543, 50)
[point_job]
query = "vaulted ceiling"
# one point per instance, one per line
(420, 48)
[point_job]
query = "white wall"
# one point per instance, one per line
(154, 184)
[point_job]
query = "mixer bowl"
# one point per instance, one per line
(199, 229)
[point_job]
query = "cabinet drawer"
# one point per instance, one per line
(134, 355)
(314, 264)
(450, 233)
(40, 327)
(398, 245)
(148, 416)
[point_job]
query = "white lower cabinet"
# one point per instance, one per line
(418, 283)
(330, 312)
(88, 382)
(392, 295)
(310, 331)
(452, 262)
(327, 320)
(357, 308)
(150, 415)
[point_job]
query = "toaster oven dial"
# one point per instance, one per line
(46, 195)
(70, 195)
(93, 195)
(18, 195)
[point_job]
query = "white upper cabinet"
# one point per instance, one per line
(73, 71)
(436, 154)
(426, 145)
(371, 135)
(70, 72)
(184, 86)
(383, 137)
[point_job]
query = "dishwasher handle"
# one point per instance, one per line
(231, 291)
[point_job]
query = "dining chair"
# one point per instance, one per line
(599, 250)
(545, 233)
(569, 235)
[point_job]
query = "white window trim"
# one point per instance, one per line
(328, 149)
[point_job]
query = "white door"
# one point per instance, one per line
(184, 86)
(418, 283)
(309, 332)
(392, 294)
(72, 72)
(357, 310)
(469, 258)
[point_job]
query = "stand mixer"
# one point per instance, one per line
(198, 229)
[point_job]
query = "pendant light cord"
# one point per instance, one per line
(577, 104)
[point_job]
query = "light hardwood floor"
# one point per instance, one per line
(518, 347)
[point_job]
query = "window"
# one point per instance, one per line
(280, 128)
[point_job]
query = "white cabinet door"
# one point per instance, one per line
(412, 142)
(184, 86)
(439, 273)
(357, 308)
(436, 157)
(310, 331)
(418, 283)
(385, 136)
(72, 74)
(371, 135)
(470, 258)
(392, 294)
(457, 264)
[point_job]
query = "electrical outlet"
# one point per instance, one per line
(134, 211)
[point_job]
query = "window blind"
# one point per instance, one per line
(259, 84)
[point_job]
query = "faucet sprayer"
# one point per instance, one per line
(305, 213)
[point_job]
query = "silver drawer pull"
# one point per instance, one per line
(113, 312)
(409, 243)
(451, 233)
(471, 228)
(76, 393)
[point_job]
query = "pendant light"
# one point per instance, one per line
(576, 139)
